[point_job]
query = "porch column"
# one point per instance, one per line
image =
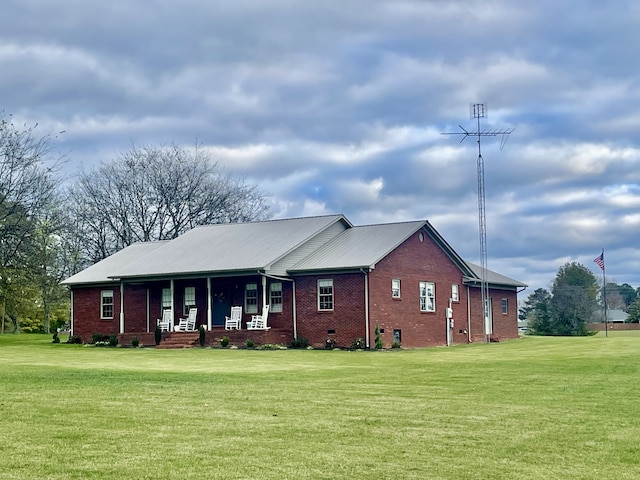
(121, 306)
(148, 311)
(209, 303)
(366, 308)
(264, 292)
(173, 311)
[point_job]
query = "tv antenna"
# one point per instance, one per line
(478, 111)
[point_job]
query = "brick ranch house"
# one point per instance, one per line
(322, 277)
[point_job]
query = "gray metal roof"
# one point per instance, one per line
(102, 271)
(359, 247)
(493, 278)
(257, 246)
(226, 248)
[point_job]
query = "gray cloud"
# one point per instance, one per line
(338, 107)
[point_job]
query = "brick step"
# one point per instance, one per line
(179, 340)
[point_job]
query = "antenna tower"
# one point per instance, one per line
(478, 111)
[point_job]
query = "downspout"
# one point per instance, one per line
(121, 306)
(468, 315)
(71, 322)
(209, 307)
(295, 315)
(366, 307)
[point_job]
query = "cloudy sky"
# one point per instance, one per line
(338, 107)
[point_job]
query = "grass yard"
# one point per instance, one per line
(534, 408)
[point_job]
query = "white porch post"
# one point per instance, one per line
(121, 306)
(173, 311)
(366, 308)
(148, 311)
(209, 312)
(264, 292)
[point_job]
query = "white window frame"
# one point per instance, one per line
(165, 301)
(189, 299)
(427, 297)
(504, 305)
(105, 296)
(251, 298)
(395, 288)
(455, 292)
(325, 294)
(275, 297)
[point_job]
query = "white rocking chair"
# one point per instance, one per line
(235, 320)
(188, 324)
(166, 322)
(259, 322)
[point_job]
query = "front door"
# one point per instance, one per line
(221, 303)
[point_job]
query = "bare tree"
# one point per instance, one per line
(156, 193)
(28, 186)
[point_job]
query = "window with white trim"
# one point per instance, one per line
(325, 294)
(505, 306)
(189, 299)
(395, 288)
(427, 297)
(106, 304)
(251, 298)
(455, 294)
(166, 298)
(275, 297)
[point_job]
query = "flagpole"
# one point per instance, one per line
(604, 288)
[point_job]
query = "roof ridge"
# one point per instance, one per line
(270, 220)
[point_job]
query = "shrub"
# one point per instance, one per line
(249, 343)
(100, 339)
(299, 342)
(224, 342)
(56, 338)
(202, 335)
(330, 343)
(395, 344)
(357, 344)
(379, 344)
(157, 335)
(113, 341)
(135, 342)
(75, 339)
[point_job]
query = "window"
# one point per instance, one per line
(454, 293)
(397, 336)
(427, 297)
(395, 288)
(275, 297)
(106, 304)
(325, 294)
(505, 306)
(166, 298)
(251, 298)
(189, 299)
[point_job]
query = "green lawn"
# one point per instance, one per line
(534, 408)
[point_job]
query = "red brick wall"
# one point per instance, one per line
(412, 262)
(347, 318)
(504, 326)
(86, 312)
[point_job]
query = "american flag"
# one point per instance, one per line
(600, 260)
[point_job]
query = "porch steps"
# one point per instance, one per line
(179, 340)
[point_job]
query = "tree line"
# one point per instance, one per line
(52, 226)
(574, 301)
